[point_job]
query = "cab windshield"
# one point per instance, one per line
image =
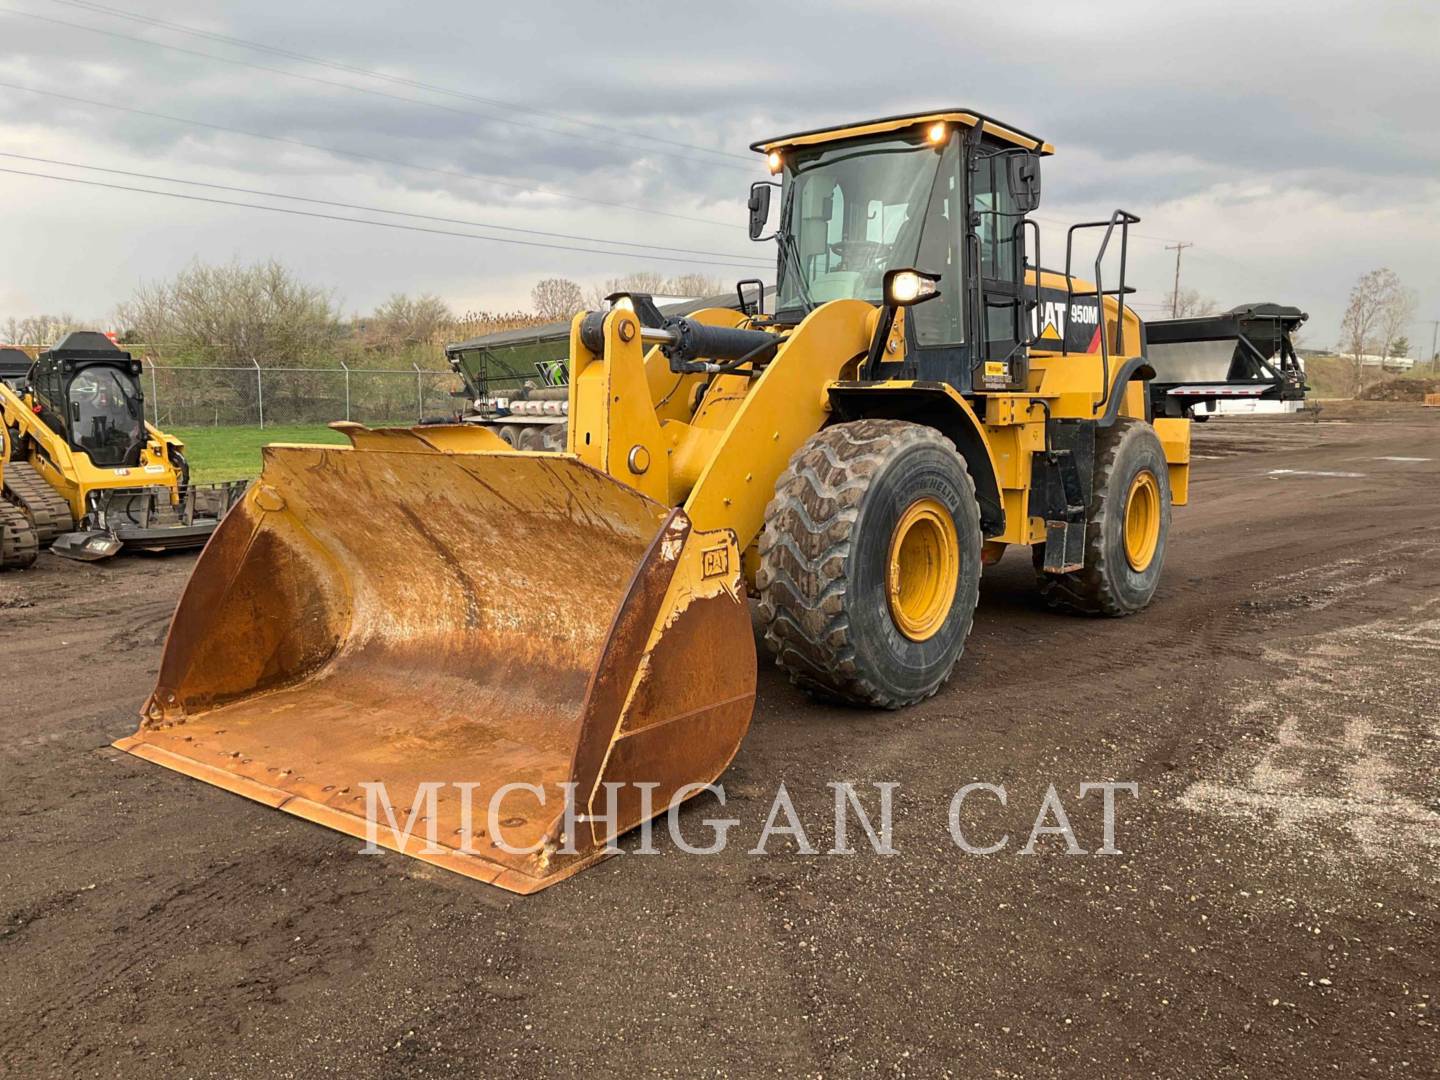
(854, 211)
(105, 417)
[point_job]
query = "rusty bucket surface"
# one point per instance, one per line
(403, 613)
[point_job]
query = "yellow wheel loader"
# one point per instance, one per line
(86, 470)
(498, 661)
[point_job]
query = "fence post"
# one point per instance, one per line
(347, 388)
(259, 392)
(419, 394)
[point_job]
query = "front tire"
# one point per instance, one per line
(1128, 525)
(870, 563)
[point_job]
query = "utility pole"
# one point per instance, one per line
(1177, 247)
(1434, 330)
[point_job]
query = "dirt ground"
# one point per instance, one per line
(1273, 910)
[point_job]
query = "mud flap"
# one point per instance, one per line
(467, 629)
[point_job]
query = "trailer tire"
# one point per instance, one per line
(1128, 524)
(870, 563)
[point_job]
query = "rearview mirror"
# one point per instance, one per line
(760, 208)
(1024, 173)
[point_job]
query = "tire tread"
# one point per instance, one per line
(804, 551)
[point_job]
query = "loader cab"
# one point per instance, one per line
(87, 391)
(943, 193)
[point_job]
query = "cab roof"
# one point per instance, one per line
(85, 345)
(968, 117)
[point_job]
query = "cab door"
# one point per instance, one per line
(999, 247)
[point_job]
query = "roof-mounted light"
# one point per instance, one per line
(936, 132)
(773, 160)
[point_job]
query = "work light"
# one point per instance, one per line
(906, 287)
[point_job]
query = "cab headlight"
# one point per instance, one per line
(906, 287)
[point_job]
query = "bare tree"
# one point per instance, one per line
(696, 285)
(641, 281)
(403, 320)
(1190, 303)
(1379, 306)
(1395, 318)
(557, 298)
(42, 329)
(235, 316)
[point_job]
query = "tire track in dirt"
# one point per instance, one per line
(182, 909)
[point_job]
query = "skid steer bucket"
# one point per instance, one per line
(428, 648)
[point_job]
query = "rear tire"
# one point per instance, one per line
(870, 563)
(1118, 578)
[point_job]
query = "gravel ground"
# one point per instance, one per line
(1271, 911)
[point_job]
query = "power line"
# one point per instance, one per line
(479, 178)
(394, 79)
(528, 127)
(368, 221)
(378, 209)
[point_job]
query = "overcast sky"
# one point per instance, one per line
(1294, 144)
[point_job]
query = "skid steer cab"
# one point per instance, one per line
(87, 470)
(922, 396)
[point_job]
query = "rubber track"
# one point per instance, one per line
(47, 511)
(804, 548)
(19, 546)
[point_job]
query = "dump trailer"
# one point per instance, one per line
(87, 470)
(515, 380)
(1245, 354)
(360, 641)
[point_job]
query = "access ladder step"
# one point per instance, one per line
(1064, 546)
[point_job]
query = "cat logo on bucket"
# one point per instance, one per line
(716, 561)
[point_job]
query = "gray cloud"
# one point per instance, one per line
(1290, 141)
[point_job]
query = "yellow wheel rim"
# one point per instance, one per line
(1142, 520)
(924, 569)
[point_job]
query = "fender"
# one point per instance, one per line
(1136, 368)
(935, 405)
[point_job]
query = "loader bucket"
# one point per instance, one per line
(446, 624)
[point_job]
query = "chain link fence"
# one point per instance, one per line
(268, 396)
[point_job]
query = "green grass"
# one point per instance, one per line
(233, 453)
